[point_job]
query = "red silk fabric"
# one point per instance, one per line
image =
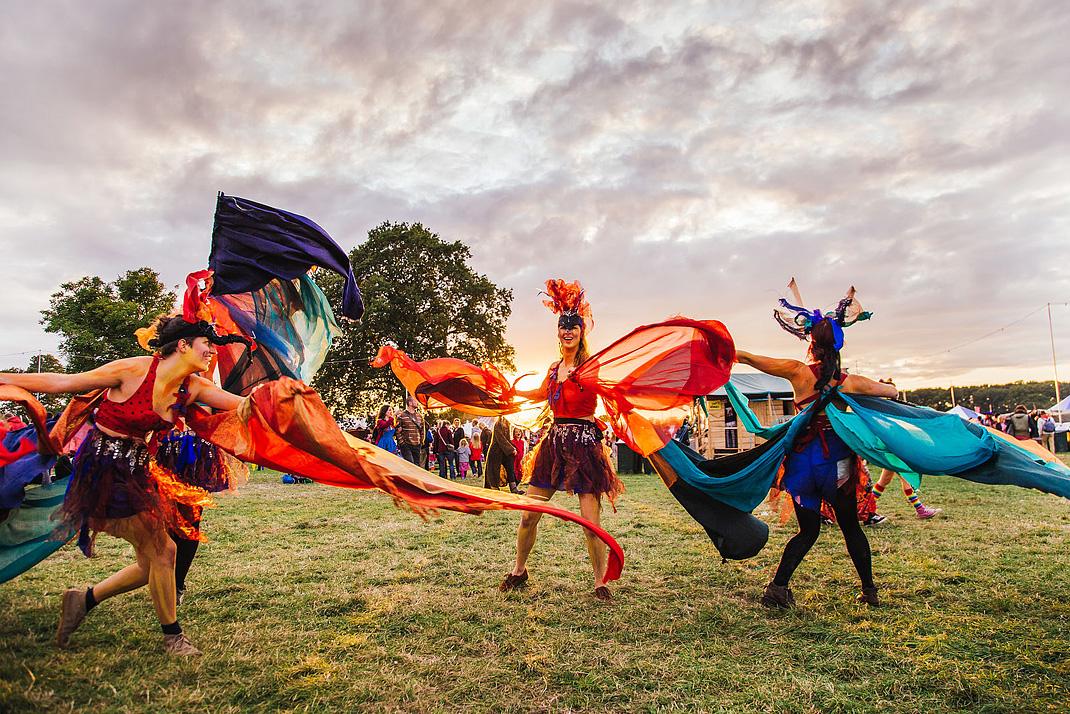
(11, 393)
(448, 382)
(284, 425)
(653, 367)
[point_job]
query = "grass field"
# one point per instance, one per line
(314, 598)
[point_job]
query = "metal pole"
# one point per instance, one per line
(953, 402)
(1054, 363)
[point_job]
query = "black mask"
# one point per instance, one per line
(568, 320)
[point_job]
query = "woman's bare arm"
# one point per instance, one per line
(857, 384)
(786, 368)
(535, 395)
(205, 391)
(103, 377)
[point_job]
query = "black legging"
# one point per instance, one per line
(846, 510)
(185, 549)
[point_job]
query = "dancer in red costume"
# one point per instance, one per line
(571, 456)
(118, 486)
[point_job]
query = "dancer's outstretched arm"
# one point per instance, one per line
(857, 384)
(207, 392)
(105, 376)
(786, 368)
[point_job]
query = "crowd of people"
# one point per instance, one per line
(1024, 425)
(490, 449)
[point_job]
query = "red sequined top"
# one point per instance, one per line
(567, 399)
(135, 417)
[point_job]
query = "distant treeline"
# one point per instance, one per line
(995, 398)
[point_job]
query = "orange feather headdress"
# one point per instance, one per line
(568, 302)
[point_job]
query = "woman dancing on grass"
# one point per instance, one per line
(118, 486)
(571, 456)
(820, 467)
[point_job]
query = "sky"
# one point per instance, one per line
(676, 157)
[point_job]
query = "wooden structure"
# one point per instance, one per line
(770, 398)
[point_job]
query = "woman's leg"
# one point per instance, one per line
(882, 483)
(154, 546)
(129, 578)
(800, 544)
(853, 535)
(529, 528)
(591, 509)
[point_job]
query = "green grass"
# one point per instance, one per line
(314, 598)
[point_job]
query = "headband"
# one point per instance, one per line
(191, 331)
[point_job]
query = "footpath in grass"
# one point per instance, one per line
(315, 598)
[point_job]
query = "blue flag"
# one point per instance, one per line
(253, 244)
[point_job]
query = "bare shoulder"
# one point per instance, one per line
(128, 367)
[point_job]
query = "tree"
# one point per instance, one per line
(421, 294)
(995, 398)
(53, 403)
(97, 320)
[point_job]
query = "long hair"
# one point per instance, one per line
(582, 352)
(382, 411)
(823, 351)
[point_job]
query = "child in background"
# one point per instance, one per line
(464, 455)
(477, 454)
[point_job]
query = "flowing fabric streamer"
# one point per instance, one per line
(654, 367)
(284, 425)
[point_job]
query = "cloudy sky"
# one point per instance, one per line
(685, 157)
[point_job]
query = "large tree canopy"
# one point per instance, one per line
(96, 320)
(420, 294)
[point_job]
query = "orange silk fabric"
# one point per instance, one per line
(284, 425)
(653, 367)
(448, 382)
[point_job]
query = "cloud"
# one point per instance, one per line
(681, 158)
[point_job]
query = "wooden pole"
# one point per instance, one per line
(1054, 363)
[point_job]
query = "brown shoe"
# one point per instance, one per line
(179, 646)
(869, 597)
(778, 597)
(602, 593)
(514, 582)
(71, 614)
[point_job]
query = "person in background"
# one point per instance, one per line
(485, 435)
(684, 433)
(464, 455)
(1046, 428)
(385, 426)
(456, 435)
(477, 453)
(518, 457)
(922, 511)
(445, 451)
(429, 448)
(500, 455)
(410, 432)
(1019, 425)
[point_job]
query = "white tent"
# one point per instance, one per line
(1063, 406)
(962, 412)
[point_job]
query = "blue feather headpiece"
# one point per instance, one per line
(800, 321)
